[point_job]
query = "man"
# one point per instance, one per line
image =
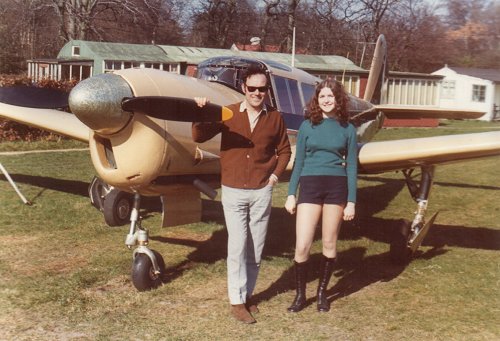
(254, 152)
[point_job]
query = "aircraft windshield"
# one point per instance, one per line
(226, 70)
(224, 75)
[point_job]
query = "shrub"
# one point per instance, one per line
(13, 131)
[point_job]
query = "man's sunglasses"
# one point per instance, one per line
(253, 88)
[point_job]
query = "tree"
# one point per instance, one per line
(473, 33)
(415, 39)
(219, 23)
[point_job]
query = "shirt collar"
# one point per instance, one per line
(243, 107)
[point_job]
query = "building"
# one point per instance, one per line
(470, 88)
(80, 59)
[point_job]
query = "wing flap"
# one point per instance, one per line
(377, 157)
(413, 112)
(56, 121)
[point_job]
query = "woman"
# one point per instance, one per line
(326, 169)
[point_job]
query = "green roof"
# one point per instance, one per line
(119, 51)
(195, 55)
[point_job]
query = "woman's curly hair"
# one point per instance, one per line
(314, 112)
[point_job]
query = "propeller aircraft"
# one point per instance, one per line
(120, 113)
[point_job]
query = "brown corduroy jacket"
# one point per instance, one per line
(248, 158)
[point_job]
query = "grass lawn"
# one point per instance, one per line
(65, 275)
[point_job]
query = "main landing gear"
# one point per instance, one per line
(411, 234)
(115, 205)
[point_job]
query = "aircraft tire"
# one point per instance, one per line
(117, 207)
(399, 251)
(96, 193)
(143, 276)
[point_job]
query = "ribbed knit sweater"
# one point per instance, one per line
(327, 148)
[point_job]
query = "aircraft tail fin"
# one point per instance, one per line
(375, 87)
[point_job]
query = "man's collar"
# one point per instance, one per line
(243, 107)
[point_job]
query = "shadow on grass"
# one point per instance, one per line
(355, 271)
(67, 186)
(75, 187)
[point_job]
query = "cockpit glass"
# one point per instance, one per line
(222, 75)
(307, 91)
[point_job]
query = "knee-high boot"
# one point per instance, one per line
(325, 273)
(300, 283)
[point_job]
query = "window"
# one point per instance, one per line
(307, 91)
(478, 93)
(448, 89)
(75, 51)
(350, 83)
(411, 91)
(285, 106)
(110, 65)
(174, 68)
(295, 95)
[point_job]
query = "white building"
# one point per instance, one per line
(470, 88)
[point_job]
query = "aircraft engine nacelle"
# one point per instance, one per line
(143, 151)
(132, 151)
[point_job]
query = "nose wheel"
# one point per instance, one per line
(144, 276)
(148, 266)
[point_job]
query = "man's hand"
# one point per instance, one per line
(290, 204)
(349, 211)
(273, 180)
(201, 101)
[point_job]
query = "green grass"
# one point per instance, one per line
(65, 274)
(17, 146)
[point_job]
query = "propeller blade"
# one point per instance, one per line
(176, 109)
(33, 97)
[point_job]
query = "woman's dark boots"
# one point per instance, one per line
(300, 284)
(325, 273)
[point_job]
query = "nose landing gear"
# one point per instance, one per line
(148, 266)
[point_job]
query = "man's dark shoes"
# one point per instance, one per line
(240, 313)
(252, 307)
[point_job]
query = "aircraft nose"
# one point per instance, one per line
(96, 101)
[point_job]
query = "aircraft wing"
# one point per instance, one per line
(56, 121)
(401, 111)
(383, 156)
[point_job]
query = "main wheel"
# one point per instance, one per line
(117, 207)
(96, 192)
(399, 251)
(143, 276)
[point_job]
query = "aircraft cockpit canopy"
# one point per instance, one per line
(290, 88)
(227, 70)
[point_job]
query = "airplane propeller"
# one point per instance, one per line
(176, 109)
(34, 97)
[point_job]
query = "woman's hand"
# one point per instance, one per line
(290, 204)
(349, 211)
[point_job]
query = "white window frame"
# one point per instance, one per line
(75, 51)
(478, 93)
